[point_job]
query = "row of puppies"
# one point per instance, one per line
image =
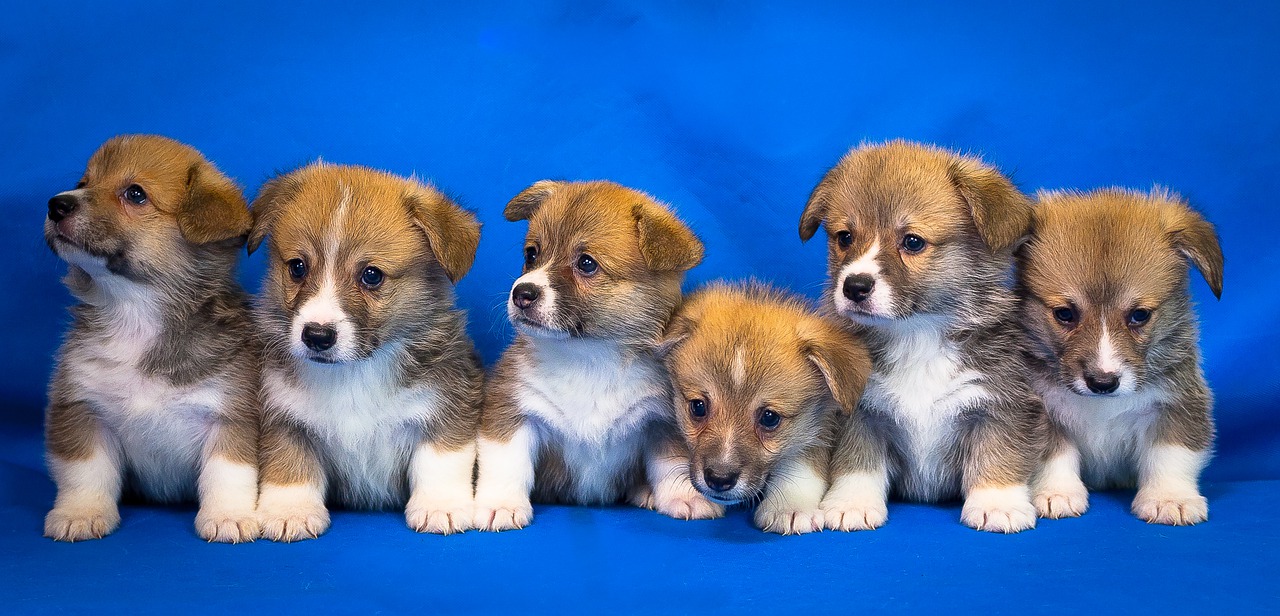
(352, 381)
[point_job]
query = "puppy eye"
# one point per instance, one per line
(1065, 315)
(530, 255)
(1139, 317)
(135, 195)
(697, 409)
(844, 239)
(769, 419)
(587, 265)
(913, 243)
(371, 277)
(297, 269)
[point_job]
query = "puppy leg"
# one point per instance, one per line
(291, 503)
(669, 489)
(997, 467)
(792, 501)
(440, 494)
(1059, 492)
(858, 496)
(86, 464)
(228, 482)
(1168, 493)
(505, 480)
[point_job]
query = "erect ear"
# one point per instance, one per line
(815, 211)
(666, 244)
(1196, 239)
(1000, 211)
(840, 356)
(452, 232)
(523, 205)
(214, 209)
(267, 206)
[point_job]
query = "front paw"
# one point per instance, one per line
(788, 521)
(849, 514)
(504, 514)
(80, 522)
(227, 526)
(999, 510)
(440, 516)
(684, 503)
(1173, 509)
(292, 519)
(1062, 502)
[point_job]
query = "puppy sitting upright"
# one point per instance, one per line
(919, 248)
(371, 388)
(578, 409)
(155, 388)
(1104, 287)
(759, 382)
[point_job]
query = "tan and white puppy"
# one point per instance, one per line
(371, 387)
(919, 250)
(154, 392)
(760, 380)
(1105, 298)
(578, 409)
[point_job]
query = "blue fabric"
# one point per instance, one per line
(731, 112)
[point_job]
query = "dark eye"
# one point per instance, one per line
(297, 269)
(769, 419)
(1065, 315)
(530, 255)
(1139, 317)
(135, 195)
(587, 265)
(697, 408)
(844, 239)
(371, 277)
(913, 243)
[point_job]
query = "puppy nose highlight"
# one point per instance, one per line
(61, 206)
(1102, 383)
(525, 294)
(319, 337)
(858, 287)
(720, 480)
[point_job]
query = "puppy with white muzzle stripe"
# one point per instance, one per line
(578, 409)
(371, 387)
(1105, 294)
(155, 388)
(919, 248)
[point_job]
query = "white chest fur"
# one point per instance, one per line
(1109, 431)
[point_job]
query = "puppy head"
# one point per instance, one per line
(150, 209)
(913, 230)
(1104, 284)
(755, 374)
(358, 259)
(600, 261)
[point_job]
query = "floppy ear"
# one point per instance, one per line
(679, 328)
(266, 207)
(666, 244)
(452, 232)
(1000, 211)
(841, 357)
(815, 211)
(523, 205)
(214, 209)
(1195, 238)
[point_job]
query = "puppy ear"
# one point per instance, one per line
(523, 205)
(815, 211)
(1000, 211)
(215, 209)
(452, 232)
(842, 359)
(666, 244)
(266, 207)
(679, 328)
(1195, 238)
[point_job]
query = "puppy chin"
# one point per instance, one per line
(533, 327)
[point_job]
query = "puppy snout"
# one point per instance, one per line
(1102, 382)
(858, 287)
(720, 479)
(62, 206)
(525, 295)
(319, 337)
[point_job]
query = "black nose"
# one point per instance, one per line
(61, 206)
(1102, 383)
(720, 480)
(858, 287)
(525, 294)
(318, 337)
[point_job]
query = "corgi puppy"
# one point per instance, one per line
(919, 250)
(154, 392)
(1114, 352)
(759, 381)
(578, 409)
(371, 388)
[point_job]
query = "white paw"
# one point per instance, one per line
(854, 513)
(510, 514)
(641, 496)
(999, 510)
(786, 521)
(1062, 501)
(681, 501)
(227, 526)
(440, 516)
(1174, 509)
(292, 513)
(80, 522)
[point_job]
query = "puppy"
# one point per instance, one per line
(759, 381)
(578, 409)
(919, 250)
(371, 388)
(1105, 298)
(154, 392)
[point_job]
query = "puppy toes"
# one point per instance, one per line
(502, 516)
(227, 526)
(1175, 510)
(1056, 504)
(78, 523)
(685, 503)
(788, 522)
(999, 510)
(642, 497)
(295, 524)
(441, 518)
(854, 514)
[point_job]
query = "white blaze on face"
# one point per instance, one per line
(1109, 361)
(880, 302)
(325, 307)
(545, 308)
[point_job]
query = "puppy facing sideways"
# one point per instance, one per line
(154, 392)
(919, 250)
(578, 409)
(759, 381)
(1106, 300)
(371, 387)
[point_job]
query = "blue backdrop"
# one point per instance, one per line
(730, 112)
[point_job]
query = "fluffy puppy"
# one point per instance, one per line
(371, 387)
(759, 382)
(1106, 300)
(154, 389)
(578, 409)
(919, 250)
